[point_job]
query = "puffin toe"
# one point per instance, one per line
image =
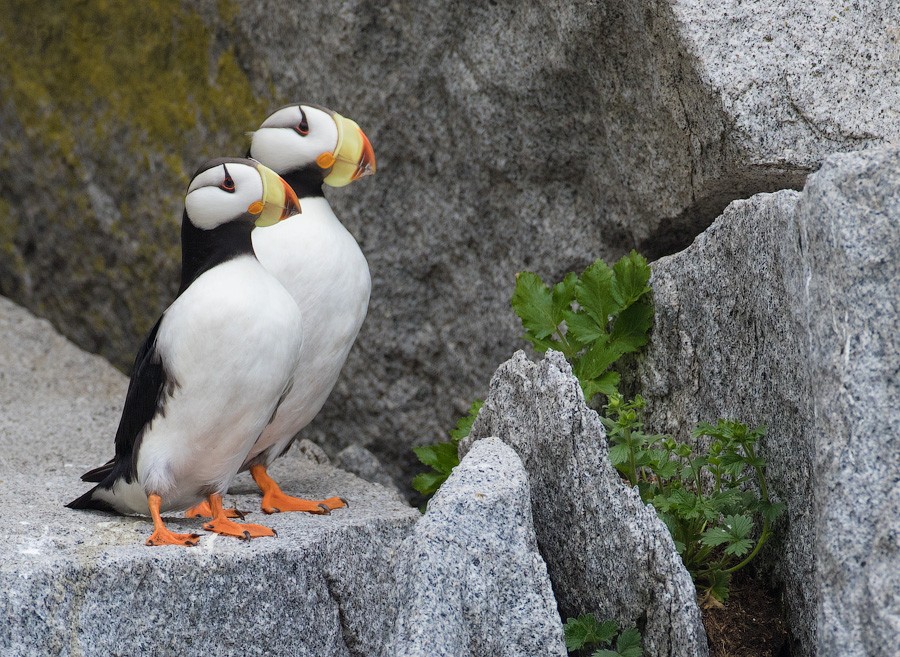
(275, 500)
(203, 510)
(221, 524)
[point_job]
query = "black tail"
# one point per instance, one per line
(87, 501)
(99, 474)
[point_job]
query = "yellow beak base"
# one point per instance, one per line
(278, 202)
(354, 157)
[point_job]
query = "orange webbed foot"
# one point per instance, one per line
(161, 534)
(279, 502)
(220, 523)
(276, 501)
(203, 510)
(165, 537)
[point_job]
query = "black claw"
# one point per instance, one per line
(276, 510)
(346, 503)
(247, 536)
(275, 531)
(325, 510)
(240, 514)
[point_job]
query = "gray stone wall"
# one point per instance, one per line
(783, 313)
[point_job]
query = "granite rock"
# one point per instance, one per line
(83, 583)
(607, 553)
(357, 460)
(510, 136)
(470, 580)
(784, 313)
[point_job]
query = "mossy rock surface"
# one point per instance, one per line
(107, 109)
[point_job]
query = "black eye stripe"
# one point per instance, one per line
(302, 128)
(228, 183)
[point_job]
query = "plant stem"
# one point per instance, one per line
(764, 496)
(631, 462)
(763, 537)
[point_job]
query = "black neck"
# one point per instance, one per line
(201, 250)
(306, 182)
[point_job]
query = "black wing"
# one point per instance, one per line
(145, 397)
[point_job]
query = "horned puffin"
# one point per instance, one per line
(213, 369)
(320, 264)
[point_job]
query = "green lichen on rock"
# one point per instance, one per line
(107, 107)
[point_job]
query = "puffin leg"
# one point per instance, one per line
(222, 525)
(161, 535)
(202, 510)
(276, 501)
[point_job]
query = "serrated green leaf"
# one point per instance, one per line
(598, 358)
(719, 582)
(740, 547)
(632, 276)
(604, 652)
(586, 631)
(563, 295)
(607, 384)
(629, 643)
(532, 301)
(704, 429)
(443, 457)
(771, 510)
(665, 470)
(428, 482)
(582, 328)
(618, 454)
(739, 526)
(715, 536)
(594, 293)
(632, 326)
(464, 424)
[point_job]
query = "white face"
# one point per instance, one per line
(293, 137)
(222, 194)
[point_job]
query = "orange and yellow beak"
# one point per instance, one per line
(353, 158)
(278, 200)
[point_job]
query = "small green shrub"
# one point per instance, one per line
(586, 632)
(718, 521)
(443, 457)
(593, 319)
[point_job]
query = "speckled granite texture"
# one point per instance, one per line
(784, 313)
(77, 583)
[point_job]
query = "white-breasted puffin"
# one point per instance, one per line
(213, 370)
(319, 262)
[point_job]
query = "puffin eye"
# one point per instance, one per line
(302, 128)
(228, 183)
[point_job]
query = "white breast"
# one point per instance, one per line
(231, 342)
(322, 267)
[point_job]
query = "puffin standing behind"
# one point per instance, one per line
(214, 368)
(319, 263)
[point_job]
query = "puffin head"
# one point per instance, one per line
(234, 189)
(316, 142)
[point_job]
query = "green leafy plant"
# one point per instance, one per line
(443, 457)
(593, 319)
(586, 632)
(719, 522)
